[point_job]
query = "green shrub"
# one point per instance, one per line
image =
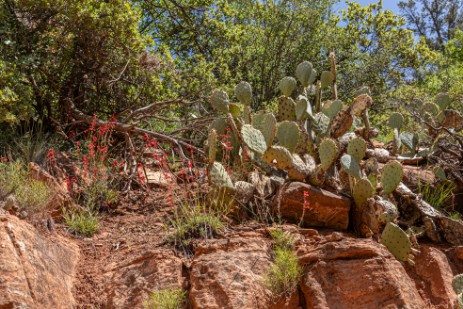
(283, 275)
(12, 176)
(33, 194)
(436, 196)
(282, 239)
(166, 299)
(193, 222)
(83, 222)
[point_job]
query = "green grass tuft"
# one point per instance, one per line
(283, 275)
(166, 299)
(436, 196)
(82, 222)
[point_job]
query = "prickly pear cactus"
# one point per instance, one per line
(219, 125)
(288, 135)
(287, 85)
(254, 139)
(331, 109)
(328, 152)
(363, 190)
(397, 242)
(326, 79)
(303, 73)
(360, 104)
(430, 108)
(236, 109)
(356, 148)
(286, 109)
(212, 144)
(219, 101)
(243, 92)
(219, 177)
(396, 121)
(299, 170)
(267, 124)
(279, 157)
(341, 124)
(443, 100)
(392, 176)
(322, 123)
(303, 108)
(457, 283)
(410, 140)
(350, 165)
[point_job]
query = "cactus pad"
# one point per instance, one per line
(392, 176)
(356, 148)
(219, 125)
(360, 104)
(235, 109)
(219, 177)
(286, 109)
(304, 72)
(287, 85)
(457, 283)
(341, 124)
(363, 190)
(327, 152)
(362, 90)
(350, 165)
(303, 108)
(322, 123)
(331, 109)
(279, 157)
(219, 100)
(253, 138)
(410, 141)
(243, 92)
(299, 170)
(326, 79)
(212, 144)
(396, 120)
(267, 124)
(431, 108)
(288, 135)
(397, 242)
(443, 100)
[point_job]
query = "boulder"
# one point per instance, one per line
(317, 208)
(35, 271)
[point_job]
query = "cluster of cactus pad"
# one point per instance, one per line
(303, 140)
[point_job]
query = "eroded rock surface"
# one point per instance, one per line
(322, 208)
(35, 271)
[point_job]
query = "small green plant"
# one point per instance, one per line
(455, 215)
(173, 298)
(438, 195)
(12, 176)
(83, 222)
(191, 222)
(282, 239)
(33, 194)
(283, 275)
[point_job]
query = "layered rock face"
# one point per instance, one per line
(35, 271)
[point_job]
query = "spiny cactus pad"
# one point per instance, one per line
(212, 144)
(219, 125)
(341, 124)
(362, 90)
(279, 157)
(431, 108)
(327, 152)
(392, 176)
(287, 85)
(286, 109)
(303, 72)
(391, 213)
(322, 123)
(360, 104)
(457, 283)
(410, 141)
(267, 124)
(219, 100)
(326, 79)
(397, 242)
(288, 135)
(253, 138)
(303, 108)
(350, 165)
(363, 190)
(443, 100)
(299, 170)
(243, 93)
(235, 109)
(331, 109)
(219, 177)
(356, 148)
(396, 120)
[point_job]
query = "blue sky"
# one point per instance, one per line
(387, 4)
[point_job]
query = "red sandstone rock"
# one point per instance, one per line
(35, 272)
(323, 208)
